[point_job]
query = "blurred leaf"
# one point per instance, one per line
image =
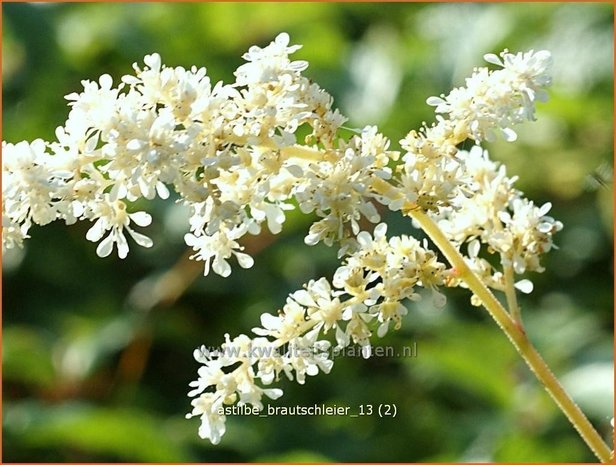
(123, 434)
(473, 357)
(26, 356)
(527, 448)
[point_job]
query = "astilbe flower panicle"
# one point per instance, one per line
(231, 155)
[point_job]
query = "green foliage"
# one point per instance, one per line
(122, 434)
(97, 354)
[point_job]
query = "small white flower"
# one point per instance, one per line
(112, 216)
(208, 407)
(218, 248)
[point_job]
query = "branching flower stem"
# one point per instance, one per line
(516, 334)
(510, 323)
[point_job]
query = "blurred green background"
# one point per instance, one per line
(97, 353)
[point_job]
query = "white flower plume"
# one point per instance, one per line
(230, 153)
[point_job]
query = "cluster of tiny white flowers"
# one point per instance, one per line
(494, 101)
(495, 215)
(339, 187)
(366, 294)
(230, 153)
(220, 148)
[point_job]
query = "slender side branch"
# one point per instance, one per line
(518, 338)
(512, 301)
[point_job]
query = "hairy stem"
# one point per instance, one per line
(518, 338)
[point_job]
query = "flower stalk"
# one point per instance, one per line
(518, 337)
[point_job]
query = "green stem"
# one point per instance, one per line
(511, 327)
(512, 301)
(518, 338)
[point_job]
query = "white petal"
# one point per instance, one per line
(275, 217)
(96, 231)
(434, 101)
(105, 247)
(245, 260)
(273, 393)
(504, 217)
(140, 239)
(370, 212)
(270, 321)
(304, 298)
(364, 239)
(162, 190)
(153, 61)
(105, 81)
(380, 230)
(509, 135)
(312, 370)
(311, 239)
(545, 208)
(118, 191)
(358, 308)
(122, 245)
(492, 58)
(221, 267)
(141, 218)
(282, 39)
(206, 268)
(326, 365)
(525, 286)
(382, 331)
(146, 187)
(257, 213)
(544, 228)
